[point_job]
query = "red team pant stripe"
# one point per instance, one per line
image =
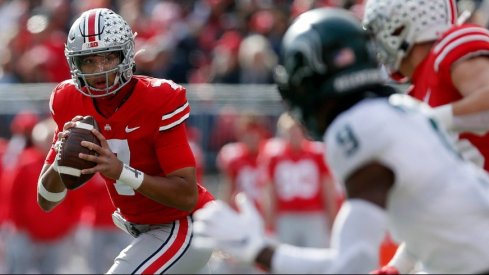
(177, 245)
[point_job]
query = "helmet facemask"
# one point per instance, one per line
(392, 45)
(100, 32)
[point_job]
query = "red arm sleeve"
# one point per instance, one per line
(173, 149)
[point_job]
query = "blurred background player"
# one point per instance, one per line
(38, 242)
(10, 150)
(21, 128)
(144, 157)
(237, 161)
(299, 191)
(240, 173)
(390, 184)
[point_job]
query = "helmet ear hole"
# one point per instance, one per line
(398, 31)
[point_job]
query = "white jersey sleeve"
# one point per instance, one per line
(357, 233)
(353, 140)
(390, 131)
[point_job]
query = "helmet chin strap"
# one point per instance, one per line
(116, 80)
(463, 17)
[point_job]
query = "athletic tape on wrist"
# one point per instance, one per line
(131, 176)
(50, 196)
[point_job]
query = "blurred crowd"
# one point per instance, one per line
(33, 241)
(188, 41)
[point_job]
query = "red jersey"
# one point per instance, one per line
(241, 165)
(147, 132)
(432, 78)
(97, 206)
(296, 175)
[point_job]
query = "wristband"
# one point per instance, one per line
(131, 176)
(402, 260)
(50, 196)
(477, 123)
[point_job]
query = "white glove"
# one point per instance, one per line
(469, 152)
(443, 115)
(475, 123)
(240, 234)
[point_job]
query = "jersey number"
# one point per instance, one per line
(347, 140)
(121, 148)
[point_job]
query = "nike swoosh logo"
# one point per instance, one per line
(128, 130)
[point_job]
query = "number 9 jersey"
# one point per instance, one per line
(426, 208)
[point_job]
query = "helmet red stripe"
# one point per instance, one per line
(92, 26)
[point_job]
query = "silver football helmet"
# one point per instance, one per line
(100, 31)
(399, 24)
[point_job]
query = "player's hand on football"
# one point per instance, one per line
(107, 162)
(239, 234)
(63, 134)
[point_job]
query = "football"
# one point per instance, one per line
(69, 164)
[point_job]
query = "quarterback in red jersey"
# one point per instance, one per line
(144, 155)
(446, 62)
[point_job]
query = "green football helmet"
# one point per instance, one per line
(328, 64)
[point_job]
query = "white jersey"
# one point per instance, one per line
(441, 213)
